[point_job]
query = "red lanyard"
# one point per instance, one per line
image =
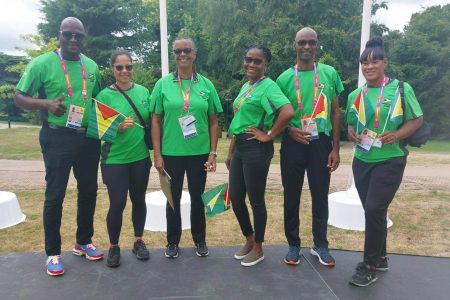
(187, 95)
(247, 93)
(66, 76)
(380, 97)
(297, 87)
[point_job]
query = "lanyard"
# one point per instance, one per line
(297, 87)
(380, 97)
(187, 95)
(66, 76)
(247, 93)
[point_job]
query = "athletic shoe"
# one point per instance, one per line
(171, 251)
(382, 264)
(140, 250)
(113, 260)
(364, 275)
(201, 249)
(293, 255)
(89, 251)
(54, 265)
(324, 256)
(243, 251)
(252, 258)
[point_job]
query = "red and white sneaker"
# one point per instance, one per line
(89, 251)
(54, 265)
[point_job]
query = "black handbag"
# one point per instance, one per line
(422, 134)
(147, 128)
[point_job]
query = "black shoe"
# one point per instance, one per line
(171, 251)
(113, 260)
(382, 264)
(140, 250)
(364, 275)
(201, 249)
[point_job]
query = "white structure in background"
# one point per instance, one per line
(156, 211)
(163, 38)
(10, 212)
(345, 208)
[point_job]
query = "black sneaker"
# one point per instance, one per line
(364, 275)
(113, 260)
(382, 264)
(140, 250)
(171, 251)
(201, 249)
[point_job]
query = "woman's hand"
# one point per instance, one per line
(159, 163)
(210, 165)
(352, 136)
(126, 124)
(388, 137)
(257, 134)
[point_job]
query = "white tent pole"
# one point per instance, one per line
(365, 33)
(163, 37)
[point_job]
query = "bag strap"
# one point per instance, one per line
(138, 115)
(402, 97)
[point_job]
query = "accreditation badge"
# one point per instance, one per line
(368, 137)
(377, 143)
(309, 125)
(75, 116)
(187, 124)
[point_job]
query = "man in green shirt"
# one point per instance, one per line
(61, 85)
(311, 143)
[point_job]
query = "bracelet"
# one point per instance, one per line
(269, 133)
(213, 153)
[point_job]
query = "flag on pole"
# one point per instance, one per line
(320, 113)
(359, 113)
(103, 122)
(396, 109)
(216, 200)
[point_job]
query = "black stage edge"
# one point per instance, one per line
(220, 276)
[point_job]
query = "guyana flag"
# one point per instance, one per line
(396, 109)
(359, 114)
(320, 113)
(103, 122)
(216, 200)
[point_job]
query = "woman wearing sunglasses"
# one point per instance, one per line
(379, 158)
(126, 163)
(185, 105)
(261, 112)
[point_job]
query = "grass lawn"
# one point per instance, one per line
(421, 225)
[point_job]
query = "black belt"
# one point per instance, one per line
(80, 130)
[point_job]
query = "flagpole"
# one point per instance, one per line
(163, 38)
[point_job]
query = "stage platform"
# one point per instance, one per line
(220, 276)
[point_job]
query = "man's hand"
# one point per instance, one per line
(56, 107)
(333, 160)
(299, 135)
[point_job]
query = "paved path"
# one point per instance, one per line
(30, 175)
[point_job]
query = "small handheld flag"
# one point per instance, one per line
(216, 200)
(104, 122)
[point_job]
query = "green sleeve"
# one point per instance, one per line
(214, 105)
(413, 109)
(156, 102)
(273, 99)
(339, 87)
(97, 86)
(30, 82)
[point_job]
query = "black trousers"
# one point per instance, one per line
(64, 149)
(119, 179)
(295, 159)
(194, 168)
(377, 184)
(248, 175)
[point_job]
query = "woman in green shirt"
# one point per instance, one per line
(125, 164)
(185, 105)
(377, 122)
(261, 112)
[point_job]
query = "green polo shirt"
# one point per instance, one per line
(129, 145)
(329, 83)
(44, 77)
(167, 101)
(259, 108)
(412, 111)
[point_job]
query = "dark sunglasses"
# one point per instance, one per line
(302, 43)
(68, 35)
(179, 50)
(119, 68)
(256, 61)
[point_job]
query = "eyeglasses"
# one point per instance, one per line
(68, 35)
(256, 61)
(367, 63)
(179, 50)
(303, 43)
(119, 68)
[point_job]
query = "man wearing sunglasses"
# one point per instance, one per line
(310, 143)
(61, 85)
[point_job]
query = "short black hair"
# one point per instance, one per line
(266, 52)
(119, 52)
(184, 37)
(374, 50)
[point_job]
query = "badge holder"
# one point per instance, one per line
(309, 125)
(368, 137)
(75, 116)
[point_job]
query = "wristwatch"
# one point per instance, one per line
(213, 153)
(269, 133)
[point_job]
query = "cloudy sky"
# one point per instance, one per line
(18, 17)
